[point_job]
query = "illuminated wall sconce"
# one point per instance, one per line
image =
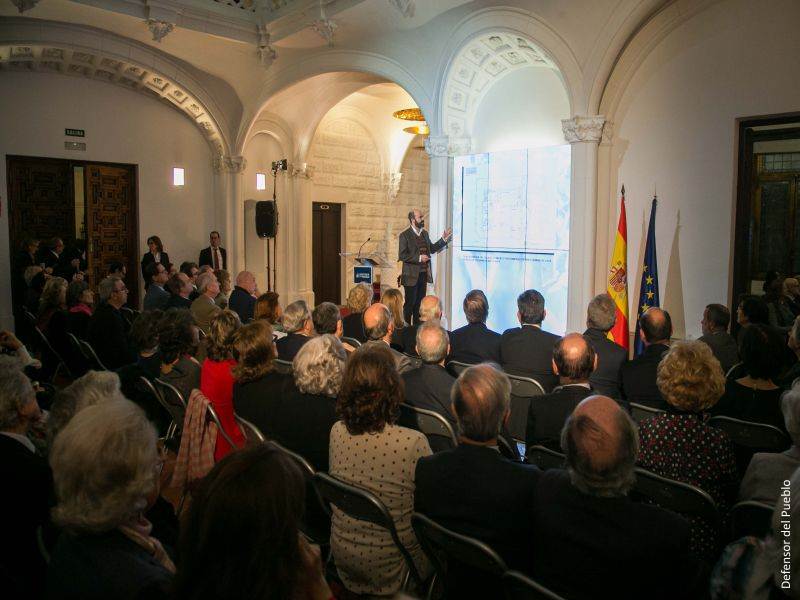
(177, 176)
(261, 181)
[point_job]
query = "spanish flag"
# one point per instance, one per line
(618, 280)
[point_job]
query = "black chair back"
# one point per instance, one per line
(91, 356)
(640, 412)
(251, 433)
(520, 587)
(163, 418)
(736, 371)
(456, 367)
(545, 458)
(439, 432)
(677, 496)
(173, 401)
(506, 448)
(352, 341)
(749, 518)
(364, 506)
(51, 357)
(283, 366)
(749, 438)
(212, 414)
(523, 390)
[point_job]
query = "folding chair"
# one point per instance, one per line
(504, 445)
(435, 427)
(172, 400)
(212, 414)
(545, 458)
(749, 518)
(749, 438)
(456, 368)
(365, 506)
(352, 341)
(128, 314)
(283, 366)
(640, 412)
(47, 348)
(520, 587)
(145, 385)
(91, 356)
(736, 371)
(478, 565)
(250, 431)
(523, 390)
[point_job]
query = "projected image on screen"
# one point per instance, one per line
(511, 232)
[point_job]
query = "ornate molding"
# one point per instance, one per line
(583, 129)
(391, 181)
(159, 28)
(608, 134)
(266, 51)
(303, 171)
(229, 164)
(444, 145)
(23, 5)
(404, 7)
(325, 28)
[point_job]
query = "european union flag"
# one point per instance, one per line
(648, 290)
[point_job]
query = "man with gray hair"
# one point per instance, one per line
(428, 386)
(472, 489)
(327, 318)
(474, 342)
(583, 516)
(243, 296)
(299, 329)
(379, 327)
(108, 330)
(203, 308)
(600, 318)
(430, 309)
(27, 485)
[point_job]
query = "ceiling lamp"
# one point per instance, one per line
(409, 114)
(418, 129)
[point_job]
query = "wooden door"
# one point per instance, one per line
(326, 246)
(111, 223)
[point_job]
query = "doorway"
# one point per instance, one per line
(326, 246)
(91, 206)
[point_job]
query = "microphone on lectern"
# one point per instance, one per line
(360, 247)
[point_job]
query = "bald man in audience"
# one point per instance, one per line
(379, 328)
(243, 297)
(430, 309)
(472, 489)
(204, 309)
(428, 386)
(638, 377)
(590, 539)
(574, 360)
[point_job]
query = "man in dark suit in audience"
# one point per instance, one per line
(108, 331)
(429, 385)
(600, 318)
(716, 319)
(156, 296)
(574, 360)
(474, 342)
(638, 377)
(180, 288)
(191, 270)
(473, 490)
(215, 256)
(528, 350)
(583, 517)
(27, 486)
(430, 309)
(243, 299)
(299, 329)
(379, 328)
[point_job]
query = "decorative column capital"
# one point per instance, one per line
(583, 129)
(404, 7)
(444, 145)
(391, 181)
(159, 28)
(230, 164)
(266, 51)
(302, 171)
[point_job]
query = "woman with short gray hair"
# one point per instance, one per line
(299, 327)
(106, 470)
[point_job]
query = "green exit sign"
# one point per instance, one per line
(75, 132)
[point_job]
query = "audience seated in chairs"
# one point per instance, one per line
(680, 445)
(268, 307)
(755, 568)
(472, 489)
(779, 314)
(241, 537)
(242, 300)
(177, 344)
(156, 277)
(259, 388)
(429, 385)
(216, 378)
(180, 289)
(527, 350)
(767, 471)
(203, 307)
(430, 309)
(14, 350)
(601, 316)
(574, 360)
(225, 287)
(755, 397)
(299, 328)
(106, 469)
(787, 378)
(474, 342)
(51, 319)
(191, 270)
(108, 331)
(393, 299)
(368, 450)
(35, 280)
(80, 301)
(27, 485)
(304, 414)
(327, 319)
(358, 300)
(716, 319)
(379, 328)
(583, 516)
(638, 377)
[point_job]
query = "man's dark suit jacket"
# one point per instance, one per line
(638, 378)
(408, 252)
(242, 303)
(620, 549)
(474, 491)
(353, 327)
(257, 401)
(474, 343)
(108, 335)
(408, 338)
(610, 358)
(289, 345)
(28, 495)
(428, 387)
(724, 348)
(546, 415)
(528, 351)
(176, 301)
(207, 259)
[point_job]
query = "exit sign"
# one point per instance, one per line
(75, 132)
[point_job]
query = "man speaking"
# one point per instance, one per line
(415, 252)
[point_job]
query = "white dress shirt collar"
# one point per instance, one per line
(22, 439)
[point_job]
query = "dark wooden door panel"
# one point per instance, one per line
(326, 246)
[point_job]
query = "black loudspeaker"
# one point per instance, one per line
(266, 219)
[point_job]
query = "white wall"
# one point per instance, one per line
(121, 126)
(522, 110)
(675, 129)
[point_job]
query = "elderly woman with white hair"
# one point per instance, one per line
(106, 470)
(768, 470)
(299, 328)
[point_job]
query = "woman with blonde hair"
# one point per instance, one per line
(394, 300)
(225, 287)
(680, 444)
(358, 300)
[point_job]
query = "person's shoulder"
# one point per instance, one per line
(511, 332)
